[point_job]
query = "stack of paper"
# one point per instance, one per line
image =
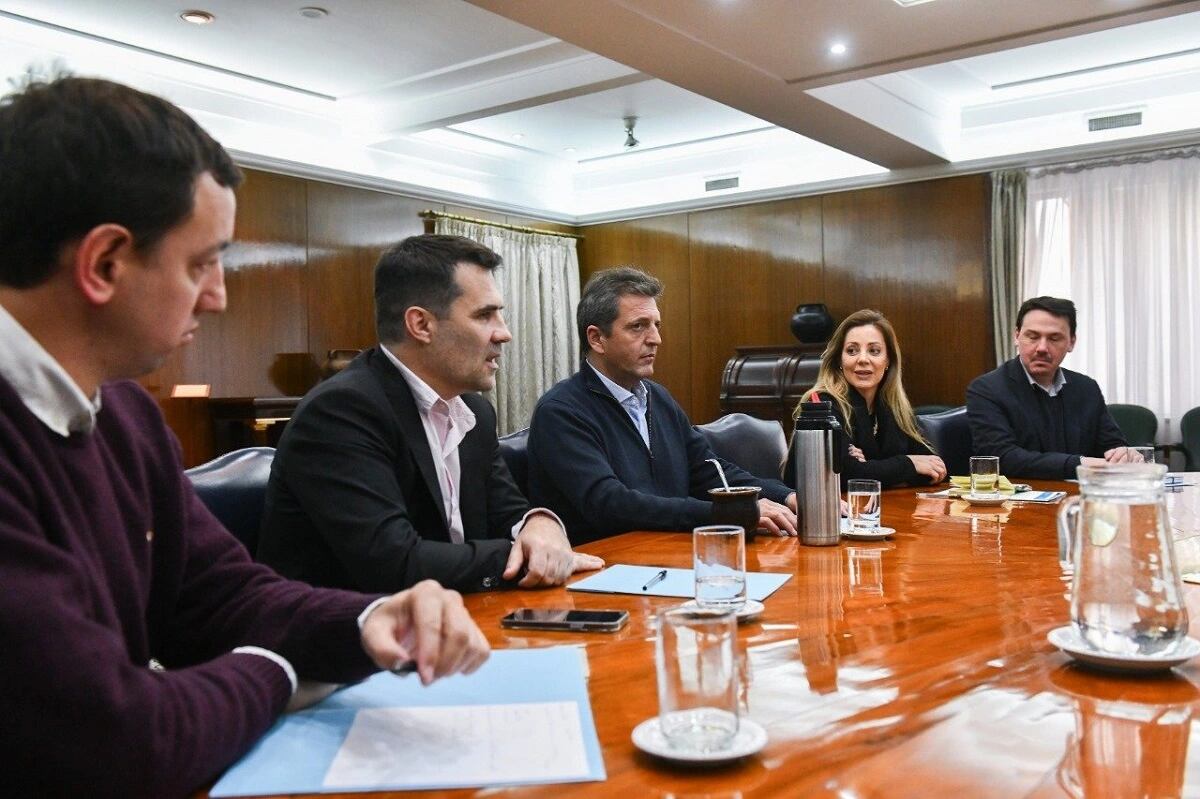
(523, 718)
(625, 579)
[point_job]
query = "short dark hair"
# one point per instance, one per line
(420, 271)
(598, 304)
(80, 152)
(1054, 306)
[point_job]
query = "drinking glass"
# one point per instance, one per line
(865, 504)
(719, 561)
(696, 662)
(1146, 453)
(985, 476)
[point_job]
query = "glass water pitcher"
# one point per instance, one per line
(1126, 595)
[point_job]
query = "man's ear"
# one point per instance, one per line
(100, 259)
(419, 324)
(594, 339)
(1071, 346)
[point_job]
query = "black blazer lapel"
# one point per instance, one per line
(1075, 413)
(409, 418)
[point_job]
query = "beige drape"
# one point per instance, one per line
(1007, 253)
(540, 285)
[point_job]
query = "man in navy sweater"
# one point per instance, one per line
(1043, 421)
(611, 451)
(143, 651)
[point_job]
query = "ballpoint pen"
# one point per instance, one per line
(662, 575)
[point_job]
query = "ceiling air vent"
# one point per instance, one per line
(1130, 120)
(716, 184)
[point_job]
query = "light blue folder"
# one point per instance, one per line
(625, 579)
(294, 756)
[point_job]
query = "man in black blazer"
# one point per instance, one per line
(1042, 420)
(390, 472)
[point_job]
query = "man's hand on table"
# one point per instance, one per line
(546, 555)
(778, 519)
(428, 625)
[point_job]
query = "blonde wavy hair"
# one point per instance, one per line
(891, 389)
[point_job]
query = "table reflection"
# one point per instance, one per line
(1131, 735)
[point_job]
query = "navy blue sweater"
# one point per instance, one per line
(588, 463)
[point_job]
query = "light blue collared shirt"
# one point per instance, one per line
(636, 403)
(1060, 380)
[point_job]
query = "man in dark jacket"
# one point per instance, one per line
(390, 472)
(1042, 420)
(611, 451)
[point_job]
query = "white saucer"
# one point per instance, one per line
(878, 534)
(751, 610)
(1068, 640)
(750, 738)
(977, 500)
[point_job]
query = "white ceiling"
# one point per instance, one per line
(518, 104)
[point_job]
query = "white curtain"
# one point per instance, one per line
(1122, 239)
(540, 284)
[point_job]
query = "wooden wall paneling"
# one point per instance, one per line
(238, 352)
(918, 253)
(658, 245)
(750, 266)
(348, 229)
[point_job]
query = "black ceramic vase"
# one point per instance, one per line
(812, 323)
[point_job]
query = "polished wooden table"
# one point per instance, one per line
(914, 667)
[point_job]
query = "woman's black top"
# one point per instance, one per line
(885, 446)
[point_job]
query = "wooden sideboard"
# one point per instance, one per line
(249, 421)
(768, 381)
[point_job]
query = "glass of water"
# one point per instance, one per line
(697, 667)
(719, 561)
(985, 476)
(865, 504)
(1145, 453)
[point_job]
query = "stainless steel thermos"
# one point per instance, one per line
(819, 442)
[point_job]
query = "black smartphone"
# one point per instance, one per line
(559, 619)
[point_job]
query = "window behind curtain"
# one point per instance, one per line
(1122, 239)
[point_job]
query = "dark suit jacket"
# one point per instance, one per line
(1005, 421)
(354, 501)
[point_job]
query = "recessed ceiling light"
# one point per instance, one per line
(197, 17)
(907, 3)
(314, 12)
(837, 48)
(568, 149)
(518, 136)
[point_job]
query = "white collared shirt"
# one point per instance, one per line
(636, 403)
(447, 464)
(445, 455)
(1060, 380)
(42, 384)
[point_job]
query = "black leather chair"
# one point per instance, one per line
(234, 487)
(514, 448)
(950, 435)
(926, 410)
(757, 445)
(1138, 424)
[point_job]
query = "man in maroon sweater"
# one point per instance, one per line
(141, 651)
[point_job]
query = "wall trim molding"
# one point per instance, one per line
(893, 178)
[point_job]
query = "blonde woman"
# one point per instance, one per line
(860, 375)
